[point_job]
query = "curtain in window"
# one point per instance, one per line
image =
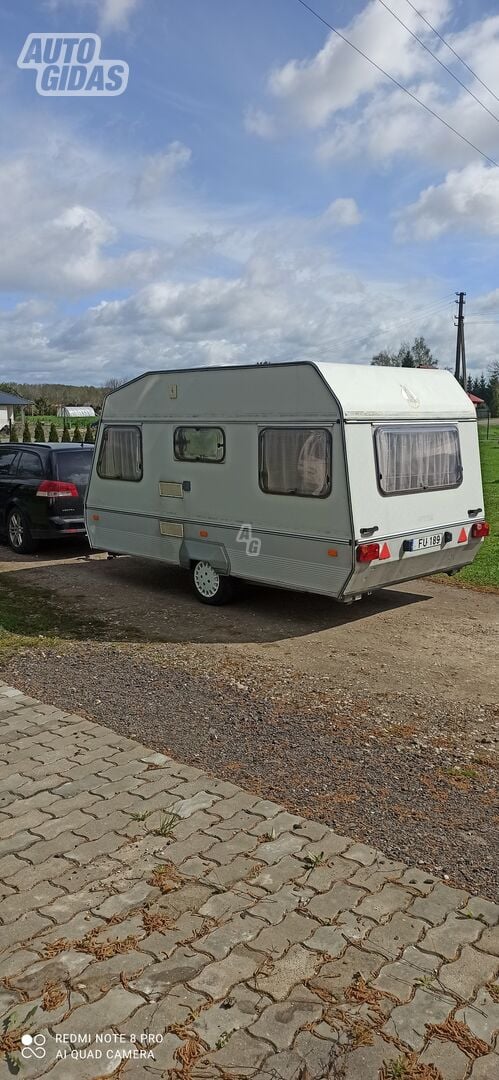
(295, 461)
(418, 459)
(120, 457)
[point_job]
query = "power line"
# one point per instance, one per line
(456, 54)
(399, 84)
(438, 60)
(424, 313)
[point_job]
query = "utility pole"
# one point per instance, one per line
(460, 368)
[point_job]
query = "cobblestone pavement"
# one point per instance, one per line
(173, 925)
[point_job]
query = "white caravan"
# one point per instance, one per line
(331, 478)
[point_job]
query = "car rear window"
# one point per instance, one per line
(73, 466)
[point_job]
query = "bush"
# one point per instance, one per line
(77, 435)
(39, 432)
(26, 432)
(66, 434)
(14, 435)
(53, 433)
(90, 435)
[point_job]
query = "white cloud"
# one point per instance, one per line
(467, 199)
(342, 213)
(308, 92)
(116, 14)
(158, 169)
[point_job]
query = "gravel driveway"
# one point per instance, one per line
(380, 720)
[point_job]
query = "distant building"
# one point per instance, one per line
(9, 402)
(75, 412)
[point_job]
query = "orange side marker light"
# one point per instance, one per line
(203, 532)
(332, 552)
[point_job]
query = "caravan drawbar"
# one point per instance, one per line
(336, 479)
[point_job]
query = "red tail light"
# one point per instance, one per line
(480, 529)
(55, 489)
(367, 552)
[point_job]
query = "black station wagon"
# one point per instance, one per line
(42, 488)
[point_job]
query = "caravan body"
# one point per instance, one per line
(332, 478)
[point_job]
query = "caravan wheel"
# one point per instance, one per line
(210, 586)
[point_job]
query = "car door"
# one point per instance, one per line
(30, 473)
(8, 461)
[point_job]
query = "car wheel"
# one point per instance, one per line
(210, 586)
(19, 533)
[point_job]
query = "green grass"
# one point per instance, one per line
(59, 421)
(30, 617)
(484, 571)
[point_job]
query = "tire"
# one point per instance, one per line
(19, 533)
(210, 586)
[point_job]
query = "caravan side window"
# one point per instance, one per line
(417, 458)
(199, 444)
(295, 461)
(120, 454)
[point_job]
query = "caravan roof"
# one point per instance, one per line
(362, 392)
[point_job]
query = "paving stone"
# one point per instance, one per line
(489, 941)
(335, 975)
(119, 903)
(99, 976)
(328, 940)
(190, 897)
(448, 939)
(240, 844)
(31, 820)
(201, 821)
(84, 853)
(239, 869)
(279, 1023)
(241, 1047)
(481, 1016)
(341, 897)
(53, 827)
(17, 904)
(103, 1014)
(298, 965)
(17, 962)
(75, 878)
(288, 898)
(272, 877)
(160, 979)
(448, 1058)
(216, 979)
(438, 903)
(472, 970)
(285, 1065)
(277, 939)
(239, 1010)
(58, 969)
(272, 851)
(395, 935)
(402, 976)
(485, 1068)
(239, 929)
(323, 876)
(383, 871)
(224, 904)
(26, 927)
(181, 850)
(365, 1062)
(387, 901)
(408, 1022)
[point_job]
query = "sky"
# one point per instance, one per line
(259, 192)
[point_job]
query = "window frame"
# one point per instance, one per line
(11, 471)
(33, 454)
(415, 427)
(200, 460)
(121, 479)
(296, 494)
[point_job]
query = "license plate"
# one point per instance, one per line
(426, 543)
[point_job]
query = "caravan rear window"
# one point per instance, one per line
(120, 454)
(417, 458)
(295, 461)
(199, 444)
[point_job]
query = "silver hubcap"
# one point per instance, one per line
(16, 529)
(206, 579)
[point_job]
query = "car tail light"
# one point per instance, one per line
(367, 552)
(480, 529)
(55, 489)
